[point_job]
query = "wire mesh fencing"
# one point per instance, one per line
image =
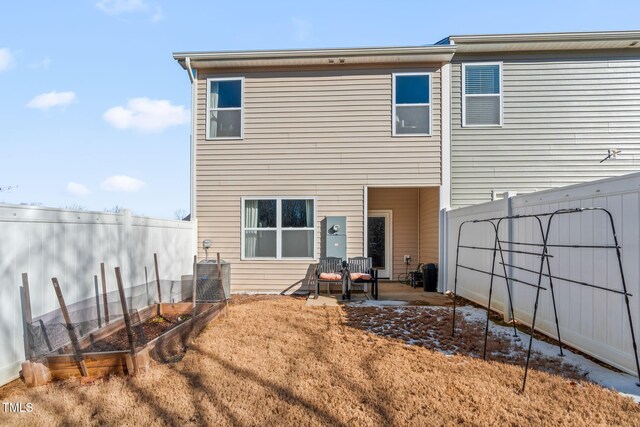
(213, 285)
(49, 332)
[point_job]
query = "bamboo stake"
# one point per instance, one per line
(155, 263)
(103, 276)
(127, 320)
(219, 270)
(226, 297)
(193, 284)
(28, 318)
(97, 289)
(72, 333)
(146, 283)
(45, 335)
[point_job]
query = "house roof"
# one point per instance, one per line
(442, 51)
(594, 40)
(302, 57)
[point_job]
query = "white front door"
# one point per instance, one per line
(379, 242)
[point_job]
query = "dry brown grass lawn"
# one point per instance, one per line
(275, 362)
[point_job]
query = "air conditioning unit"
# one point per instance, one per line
(208, 286)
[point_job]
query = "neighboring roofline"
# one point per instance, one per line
(440, 52)
(543, 42)
(541, 37)
(366, 55)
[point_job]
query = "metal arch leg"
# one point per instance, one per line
(626, 295)
(493, 264)
(455, 282)
(535, 306)
(533, 327)
(545, 237)
(555, 312)
(506, 280)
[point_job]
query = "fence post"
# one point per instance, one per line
(127, 237)
(508, 209)
(28, 318)
(194, 235)
(443, 265)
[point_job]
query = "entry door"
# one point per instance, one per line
(379, 245)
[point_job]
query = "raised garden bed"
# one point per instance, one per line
(107, 351)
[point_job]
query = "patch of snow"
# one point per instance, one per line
(378, 303)
(623, 383)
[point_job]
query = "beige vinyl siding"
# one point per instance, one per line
(429, 199)
(319, 133)
(403, 203)
(561, 114)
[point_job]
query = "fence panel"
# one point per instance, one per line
(592, 320)
(70, 245)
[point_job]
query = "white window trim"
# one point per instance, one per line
(393, 104)
(208, 109)
(278, 229)
(464, 95)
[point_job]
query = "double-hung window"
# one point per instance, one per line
(225, 108)
(412, 104)
(278, 228)
(482, 94)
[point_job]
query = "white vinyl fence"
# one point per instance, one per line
(70, 245)
(592, 320)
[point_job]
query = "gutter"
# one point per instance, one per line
(306, 57)
(308, 53)
(547, 37)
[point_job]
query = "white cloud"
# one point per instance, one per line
(117, 7)
(44, 101)
(302, 28)
(76, 189)
(42, 64)
(120, 7)
(158, 15)
(6, 59)
(146, 115)
(122, 183)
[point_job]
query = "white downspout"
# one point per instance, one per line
(194, 84)
(445, 185)
(192, 175)
(365, 221)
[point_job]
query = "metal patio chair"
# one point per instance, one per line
(331, 266)
(362, 265)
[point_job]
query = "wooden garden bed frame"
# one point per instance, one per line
(123, 362)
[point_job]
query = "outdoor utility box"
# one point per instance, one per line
(208, 287)
(336, 237)
(430, 277)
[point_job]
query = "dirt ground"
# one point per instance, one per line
(275, 362)
(142, 332)
(431, 328)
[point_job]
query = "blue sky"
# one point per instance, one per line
(95, 112)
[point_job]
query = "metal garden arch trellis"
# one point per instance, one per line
(544, 261)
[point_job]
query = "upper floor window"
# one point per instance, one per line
(482, 94)
(412, 104)
(225, 108)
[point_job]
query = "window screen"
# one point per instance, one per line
(482, 95)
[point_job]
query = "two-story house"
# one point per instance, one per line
(391, 137)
